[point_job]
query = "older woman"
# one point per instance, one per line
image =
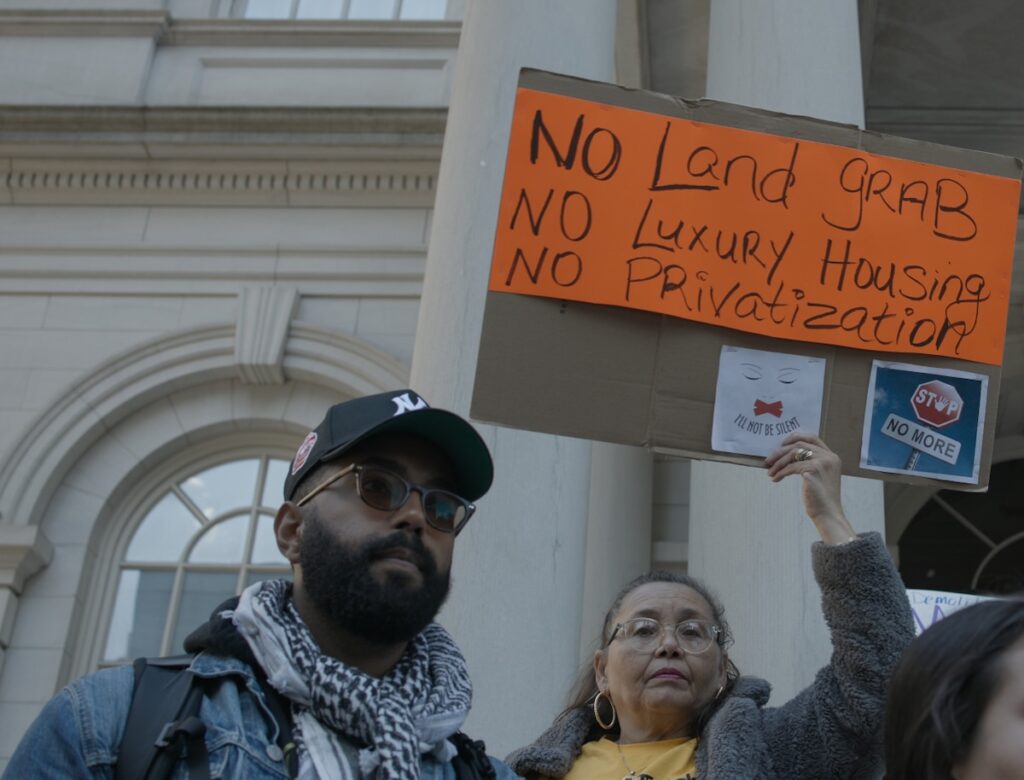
(664, 701)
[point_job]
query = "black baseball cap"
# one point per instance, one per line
(399, 411)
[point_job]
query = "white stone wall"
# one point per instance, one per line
(159, 163)
(93, 53)
(81, 285)
(84, 286)
(176, 284)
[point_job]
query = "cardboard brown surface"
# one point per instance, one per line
(647, 379)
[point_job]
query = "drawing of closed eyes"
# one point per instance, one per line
(751, 371)
(788, 376)
(754, 372)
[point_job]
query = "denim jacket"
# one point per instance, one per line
(78, 733)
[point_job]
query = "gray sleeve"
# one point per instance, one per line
(832, 729)
(502, 772)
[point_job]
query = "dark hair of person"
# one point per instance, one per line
(584, 689)
(941, 686)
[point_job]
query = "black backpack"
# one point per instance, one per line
(163, 720)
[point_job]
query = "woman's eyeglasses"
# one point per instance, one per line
(693, 636)
(387, 491)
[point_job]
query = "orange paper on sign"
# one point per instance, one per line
(779, 236)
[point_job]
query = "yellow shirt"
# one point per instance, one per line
(668, 759)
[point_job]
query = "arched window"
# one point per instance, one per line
(969, 542)
(206, 537)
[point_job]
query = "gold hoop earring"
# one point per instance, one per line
(597, 711)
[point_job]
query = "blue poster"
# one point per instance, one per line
(924, 421)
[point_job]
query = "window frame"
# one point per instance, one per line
(238, 9)
(977, 514)
(130, 509)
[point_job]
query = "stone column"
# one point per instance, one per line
(518, 579)
(618, 532)
(749, 538)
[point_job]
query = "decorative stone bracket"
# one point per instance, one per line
(24, 550)
(264, 314)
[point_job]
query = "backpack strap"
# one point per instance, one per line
(471, 761)
(162, 721)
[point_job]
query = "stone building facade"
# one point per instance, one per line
(217, 217)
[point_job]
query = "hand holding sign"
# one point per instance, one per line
(820, 469)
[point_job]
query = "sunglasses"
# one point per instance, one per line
(384, 490)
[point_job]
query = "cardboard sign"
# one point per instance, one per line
(773, 234)
(623, 373)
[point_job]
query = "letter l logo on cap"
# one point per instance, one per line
(404, 403)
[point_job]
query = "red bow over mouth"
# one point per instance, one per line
(775, 408)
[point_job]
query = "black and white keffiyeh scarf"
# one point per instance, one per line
(409, 711)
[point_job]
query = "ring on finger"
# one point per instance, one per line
(802, 453)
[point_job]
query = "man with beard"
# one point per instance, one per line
(369, 685)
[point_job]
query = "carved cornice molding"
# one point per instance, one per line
(190, 268)
(200, 182)
(159, 25)
(443, 34)
(84, 24)
(123, 155)
(223, 132)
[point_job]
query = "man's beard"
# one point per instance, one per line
(339, 582)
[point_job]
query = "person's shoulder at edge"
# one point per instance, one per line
(78, 731)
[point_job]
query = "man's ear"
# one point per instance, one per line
(600, 661)
(288, 531)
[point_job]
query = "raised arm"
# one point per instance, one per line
(831, 729)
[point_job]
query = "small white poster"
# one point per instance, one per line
(930, 606)
(762, 397)
(924, 420)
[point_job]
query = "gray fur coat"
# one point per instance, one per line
(831, 729)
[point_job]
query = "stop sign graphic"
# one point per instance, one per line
(937, 403)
